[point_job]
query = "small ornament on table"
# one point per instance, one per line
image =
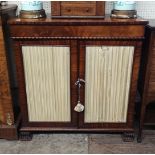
(124, 9)
(32, 9)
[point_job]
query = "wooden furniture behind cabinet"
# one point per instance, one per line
(147, 79)
(8, 127)
(77, 75)
(80, 9)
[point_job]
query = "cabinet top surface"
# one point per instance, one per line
(106, 21)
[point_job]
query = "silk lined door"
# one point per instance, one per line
(107, 71)
(49, 75)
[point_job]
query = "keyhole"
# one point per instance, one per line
(69, 10)
(87, 10)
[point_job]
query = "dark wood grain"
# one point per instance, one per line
(100, 8)
(79, 9)
(8, 128)
(10, 132)
(78, 32)
(78, 22)
(91, 130)
(55, 8)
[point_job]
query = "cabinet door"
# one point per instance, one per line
(109, 72)
(49, 71)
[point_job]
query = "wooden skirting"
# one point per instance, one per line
(9, 132)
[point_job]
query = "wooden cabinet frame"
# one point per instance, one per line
(77, 34)
(77, 70)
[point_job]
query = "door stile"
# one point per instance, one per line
(82, 55)
(74, 76)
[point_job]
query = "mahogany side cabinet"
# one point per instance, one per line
(77, 74)
(8, 121)
(147, 80)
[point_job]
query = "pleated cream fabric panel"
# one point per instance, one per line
(47, 75)
(108, 74)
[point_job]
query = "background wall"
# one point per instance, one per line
(145, 9)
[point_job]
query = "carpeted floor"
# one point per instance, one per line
(79, 143)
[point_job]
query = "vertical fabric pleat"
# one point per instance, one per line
(108, 74)
(47, 76)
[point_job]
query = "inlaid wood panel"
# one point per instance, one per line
(108, 74)
(47, 76)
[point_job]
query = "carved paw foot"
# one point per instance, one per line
(139, 138)
(25, 136)
(128, 137)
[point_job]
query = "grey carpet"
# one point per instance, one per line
(79, 143)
